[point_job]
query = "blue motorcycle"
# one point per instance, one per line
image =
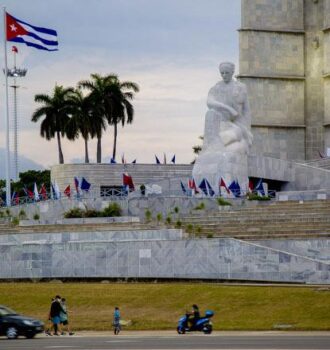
(202, 325)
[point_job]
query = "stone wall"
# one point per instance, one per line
(228, 259)
(318, 249)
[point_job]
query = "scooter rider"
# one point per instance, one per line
(194, 316)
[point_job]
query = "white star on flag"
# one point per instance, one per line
(13, 28)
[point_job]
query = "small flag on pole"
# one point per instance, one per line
(113, 161)
(85, 185)
(128, 181)
(67, 191)
(164, 158)
(25, 33)
(43, 192)
(173, 159)
(123, 161)
(260, 188)
(134, 161)
(14, 49)
(192, 185)
(157, 160)
(223, 187)
(36, 193)
(76, 184)
(183, 188)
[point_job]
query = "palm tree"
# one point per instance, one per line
(81, 121)
(97, 87)
(56, 110)
(111, 100)
(118, 102)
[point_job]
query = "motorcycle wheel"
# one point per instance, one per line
(207, 329)
(181, 330)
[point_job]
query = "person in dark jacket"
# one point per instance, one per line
(194, 315)
(55, 312)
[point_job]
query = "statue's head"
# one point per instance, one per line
(227, 70)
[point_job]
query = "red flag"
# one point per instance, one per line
(43, 192)
(223, 184)
(67, 191)
(192, 185)
(250, 186)
(14, 49)
(128, 181)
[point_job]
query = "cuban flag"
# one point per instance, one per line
(36, 193)
(21, 32)
(113, 161)
(173, 159)
(192, 185)
(206, 188)
(15, 198)
(76, 184)
(157, 160)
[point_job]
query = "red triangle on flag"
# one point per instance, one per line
(13, 29)
(67, 191)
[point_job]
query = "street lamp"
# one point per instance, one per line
(15, 73)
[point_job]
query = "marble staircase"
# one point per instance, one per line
(268, 220)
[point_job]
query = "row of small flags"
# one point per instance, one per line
(123, 160)
(55, 193)
(234, 188)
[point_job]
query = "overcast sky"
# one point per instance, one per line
(171, 48)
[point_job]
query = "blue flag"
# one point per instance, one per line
(183, 188)
(203, 186)
(235, 188)
(157, 160)
(85, 185)
(173, 159)
(134, 161)
(112, 161)
(40, 38)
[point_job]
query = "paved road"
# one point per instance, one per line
(191, 341)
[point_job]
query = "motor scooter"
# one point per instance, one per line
(202, 325)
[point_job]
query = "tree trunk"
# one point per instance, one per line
(60, 153)
(99, 150)
(86, 151)
(114, 142)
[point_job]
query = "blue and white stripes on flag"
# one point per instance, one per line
(85, 185)
(113, 161)
(157, 160)
(206, 188)
(183, 188)
(38, 37)
(173, 159)
(260, 188)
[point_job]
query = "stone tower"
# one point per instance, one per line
(285, 63)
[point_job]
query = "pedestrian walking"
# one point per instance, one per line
(55, 311)
(116, 321)
(64, 318)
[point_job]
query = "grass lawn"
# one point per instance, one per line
(159, 305)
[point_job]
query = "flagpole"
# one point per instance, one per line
(8, 196)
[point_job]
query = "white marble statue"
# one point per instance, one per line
(227, 134)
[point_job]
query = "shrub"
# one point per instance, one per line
(15, 220)
(159, 217)
(222, 201)
(190, 228)
(113, 209)
(2, 214)
(256, 197)
(178, 224)
(209, 235)
(8, 212)
(168, 220)
(22, 214)
(148, 215)
(176, 210)
(74, 213)
(198, 229)
(36, 216)
(200, 206)
(91, 213)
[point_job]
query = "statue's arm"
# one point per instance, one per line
(212, 103)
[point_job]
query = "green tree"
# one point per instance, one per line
(118, 100)
(81, 121)
(112, 102)
(55, 108)
(97, 86)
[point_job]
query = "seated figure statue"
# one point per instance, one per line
(228, 120)
(227, 133)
